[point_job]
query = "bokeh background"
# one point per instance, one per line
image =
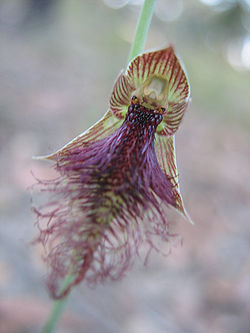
(58, 62)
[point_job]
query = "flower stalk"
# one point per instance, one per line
(136, 48)
(57, 309)
(142, 28)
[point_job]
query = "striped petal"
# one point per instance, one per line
(120, 97)
(163, 65)
(104, 127)
(165, 152)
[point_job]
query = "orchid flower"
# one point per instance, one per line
(117, 178)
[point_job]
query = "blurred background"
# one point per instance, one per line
(58, 63)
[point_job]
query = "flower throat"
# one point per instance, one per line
(133, 154)
(142, 119)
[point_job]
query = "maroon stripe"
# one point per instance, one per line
(176, 78)
(172, 67)
(145, 61)
(137, 67)
(167, 61)
(156, 58)
(161, 60)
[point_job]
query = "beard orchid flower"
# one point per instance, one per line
(116, 178)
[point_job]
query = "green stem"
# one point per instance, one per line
(142, 28)
(57, 308)
(136, 48)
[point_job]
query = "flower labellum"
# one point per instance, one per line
(116, 179)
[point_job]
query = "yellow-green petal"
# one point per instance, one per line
(120, 97)
(165, 152)
(159, 66)
(104, 127)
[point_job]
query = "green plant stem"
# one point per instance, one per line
(136, 48)
(142, 28)
(57, 308)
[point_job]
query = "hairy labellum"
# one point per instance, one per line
(115, 179)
